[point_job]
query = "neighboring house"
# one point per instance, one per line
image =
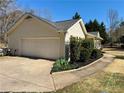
(36, 37)
(96, 38)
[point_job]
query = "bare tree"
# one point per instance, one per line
(44, 13)
(8, 15)
(114, 21)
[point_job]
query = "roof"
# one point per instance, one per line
(59, 25)
(65, 25)
(95, 34)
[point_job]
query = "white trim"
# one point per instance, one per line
(73, 25)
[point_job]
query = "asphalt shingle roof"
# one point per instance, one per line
(60, 25)
(65, 25)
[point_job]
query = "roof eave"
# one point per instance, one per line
(93, 36)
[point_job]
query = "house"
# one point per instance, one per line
(37, 37)
(96, 38)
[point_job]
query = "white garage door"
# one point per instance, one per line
(43, 48)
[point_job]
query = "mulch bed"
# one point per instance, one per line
(81, 64)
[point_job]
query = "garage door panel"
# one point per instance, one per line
(44, 48)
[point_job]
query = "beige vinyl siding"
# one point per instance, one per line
(33, 28)
(76, 31)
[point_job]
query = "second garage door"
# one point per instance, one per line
(43, 48)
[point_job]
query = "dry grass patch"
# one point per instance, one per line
(98, 83)
(116, 67)
(114, 51)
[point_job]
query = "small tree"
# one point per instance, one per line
(74, 49)
(76, 16)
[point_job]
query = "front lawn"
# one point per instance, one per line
(102, 82)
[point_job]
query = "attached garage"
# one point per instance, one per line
(46, 47)
(34, 37)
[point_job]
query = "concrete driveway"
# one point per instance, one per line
(25, 74)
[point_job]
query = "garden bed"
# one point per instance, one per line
(70, 66)
(82, 53)
(80, 64)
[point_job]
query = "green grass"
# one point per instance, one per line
(98, 83)
(119, 57)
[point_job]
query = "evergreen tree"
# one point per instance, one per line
(89, 26)
(122, 23)
(103, 33)
(76, 16)
(94, 25)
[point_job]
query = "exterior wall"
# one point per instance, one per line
(75, 31)
(33, 28)
(97, 44)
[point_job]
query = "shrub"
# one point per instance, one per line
(75, 44)
(122, 39)
(84, 54)
(87, 43)
(60, 65)
(122, 46)
(96, 53)
(67, 51)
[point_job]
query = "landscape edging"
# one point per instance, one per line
(73, 70)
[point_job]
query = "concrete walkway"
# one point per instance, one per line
(62, 79)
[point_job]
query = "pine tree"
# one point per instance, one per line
(103, 33)
(76, 16)
(94, 25)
